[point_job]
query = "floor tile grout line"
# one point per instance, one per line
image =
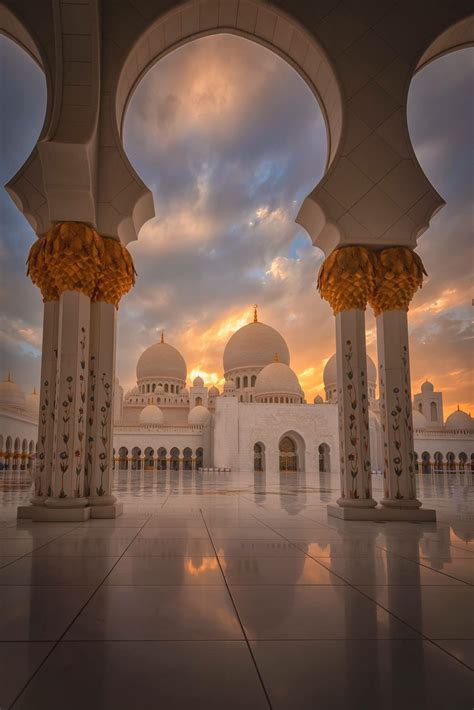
(257, 669)
(30, 553)
(425, 566)
(58, 641)
(349, 584)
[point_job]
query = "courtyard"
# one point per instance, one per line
(231, 590)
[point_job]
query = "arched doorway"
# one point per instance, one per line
(438, 462)
(199, 457)
(291, 453)
(425, 462)
(324, 458)
(259, 457)
(450, 462)
(149, 461)
(462, 462)
(187, 459)
(123, 458)
(174, 453)
(162, 453)
(136, 458)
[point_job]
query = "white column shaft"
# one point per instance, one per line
(98, 475)
(396, 410)
(353, 410)
(69, 448)
(49, 363)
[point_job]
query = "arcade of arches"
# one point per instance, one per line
(85, 203)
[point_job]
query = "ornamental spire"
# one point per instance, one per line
(162, 339)
(255, 314)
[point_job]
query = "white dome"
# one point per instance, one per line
(427, 386)
(32, 402)
(198, 382)
(11, 394)
(277, 378)
(254, 345)
(419, 420)
(161, 361)
(330, 371)
(199, 415)
(213, 392)
(460, 420)
(318, 399)
(151, 414)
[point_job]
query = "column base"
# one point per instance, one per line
(382, 514)
(356, 502)
(43, 513)
(409, 503)
(103, 501)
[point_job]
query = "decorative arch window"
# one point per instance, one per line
(434, 411)
(166, 387)
(172, 388)
(420, 407)
(153, 387)
(246, 381)
(288, 454)
(253, 380)
(324, 458)
(237, 383)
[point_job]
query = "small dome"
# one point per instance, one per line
(459, 420)
(330, 371)
(427, 386)
(11, 394)
(198, 382)
(213, 392)
(199, 415)
(151, 414)
(277, 378)
(419, 420)
(161, 361)
(254, 345)
(32, 402)
(318, 399)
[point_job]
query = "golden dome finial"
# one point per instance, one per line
(255, 314)
(276, 358)
(162, 339)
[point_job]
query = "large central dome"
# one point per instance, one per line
(161, 361)
(255, 345)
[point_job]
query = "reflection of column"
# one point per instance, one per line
(346, 280)
(399, 274)
(100, 404)
(2, 460)
(168, 463)
(193, 463)
(180, 463)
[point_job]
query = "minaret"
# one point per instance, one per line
(255, 314)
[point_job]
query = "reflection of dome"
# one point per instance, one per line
(459, 420)
(32, 402)
(318, 399)
(213, 392)
(11, 393)
(198, 382)
(330, 371)
(419, 420)
(151, 414)
(254, 345)
(161, 361)
(199, 415)
(277, 378)
(427, 386)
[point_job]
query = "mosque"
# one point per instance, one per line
(260, 421)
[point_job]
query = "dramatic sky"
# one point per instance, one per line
(230, 140)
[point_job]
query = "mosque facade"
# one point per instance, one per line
(260, 420)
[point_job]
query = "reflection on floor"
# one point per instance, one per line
(236, 590)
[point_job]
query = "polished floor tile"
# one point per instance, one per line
(313, 612)
(362, 675)
(349, 547)
(390, 570)
(166, 571)
(276, 570)
(157, 613)
(165, 547)
(437, 612)
(461, 649)
(237, 533)
(255, 548)
(39, 613)
(82, 547)
(459, 568)
(18, 662)
(177, 533)
(168, 675)
(57, 571)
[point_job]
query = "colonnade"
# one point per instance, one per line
(82, 277)
(349, 279)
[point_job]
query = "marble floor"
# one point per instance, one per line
(219, 590)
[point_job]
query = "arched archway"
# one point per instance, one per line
(450, 462)
(149, 460)
(425, 462)
(162, 453)
(174, 453)
(123, 458)
(259, 456)
(324, 458)
(438, 462)
(462, 462)
(136, 459)
(199, 457)
(291, 452)
(187, 459)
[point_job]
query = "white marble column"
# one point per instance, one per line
(396, 410)
(100, 403)
(353, 410)
(49, 359)
(69, 446)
